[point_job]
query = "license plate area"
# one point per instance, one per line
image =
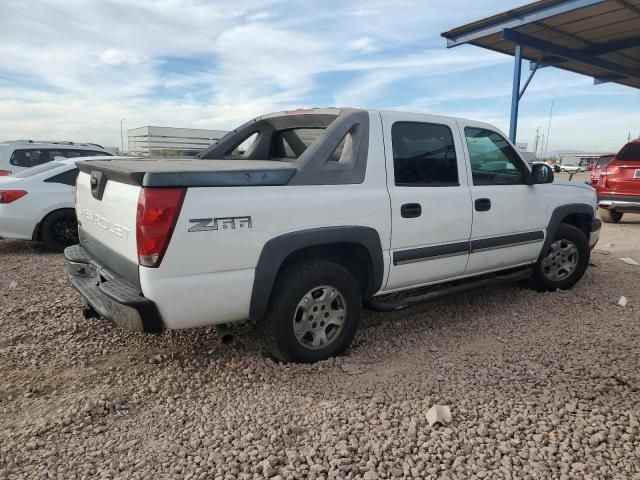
(637, 173)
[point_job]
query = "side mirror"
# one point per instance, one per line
(541, 173)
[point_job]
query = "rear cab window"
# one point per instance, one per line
(423, 155)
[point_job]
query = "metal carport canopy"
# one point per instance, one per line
(598, 38)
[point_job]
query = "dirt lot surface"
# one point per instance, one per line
(539, 385)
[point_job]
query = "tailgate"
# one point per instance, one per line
(107, 222)
(624, 178)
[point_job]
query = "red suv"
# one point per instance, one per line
(618, 183)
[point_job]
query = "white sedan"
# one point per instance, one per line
(573, 168)
(38, 204)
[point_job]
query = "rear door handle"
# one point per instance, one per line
(411, 210)
(483, 204)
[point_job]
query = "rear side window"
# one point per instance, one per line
(423, 155)
(629, 153)
(29, 157)
(493, 160)
(66, 178)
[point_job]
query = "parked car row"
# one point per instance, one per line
(38, 203)
(19, 155)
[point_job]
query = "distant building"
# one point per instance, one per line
(523, 148)
(574, 158)
(169, 141)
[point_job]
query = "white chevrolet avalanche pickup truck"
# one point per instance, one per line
(295, 220)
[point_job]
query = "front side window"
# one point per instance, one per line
(423, 155)
(493, 160)
(29, 157)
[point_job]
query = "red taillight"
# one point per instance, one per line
(5, 173)
(8, 196)
(158, 210)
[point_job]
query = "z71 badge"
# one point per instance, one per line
(223, 223)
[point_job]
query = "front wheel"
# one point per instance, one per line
(314, 312)
(59, 230)
(610, 216)
(565, 260)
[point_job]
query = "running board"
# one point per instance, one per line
(380, 305)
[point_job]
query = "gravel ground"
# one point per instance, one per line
(539, 385)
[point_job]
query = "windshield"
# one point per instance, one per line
(45, 167)
(629, 153)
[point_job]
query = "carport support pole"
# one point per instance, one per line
(515, 94)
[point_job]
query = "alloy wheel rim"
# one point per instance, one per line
(64, 232)
(561, 260)
(319, 317)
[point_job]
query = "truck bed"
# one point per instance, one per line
(192, 172)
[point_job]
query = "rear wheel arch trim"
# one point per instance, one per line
(277, 249)
(37, 230)
(557, 217)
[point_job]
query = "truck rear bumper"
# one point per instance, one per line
(110, 295)
(619, 203)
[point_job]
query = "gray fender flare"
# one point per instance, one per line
(276, 250)
(559, 213)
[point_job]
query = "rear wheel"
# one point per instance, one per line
(314, 312)
(565, 260)
(59, 230)
(610, 216)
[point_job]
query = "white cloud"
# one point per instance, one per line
(73, 71)
(112, 56)
(362, 45)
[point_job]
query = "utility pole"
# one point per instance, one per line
(535, 144)
(549, 128)
(542, 146)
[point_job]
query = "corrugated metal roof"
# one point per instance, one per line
(598, 38)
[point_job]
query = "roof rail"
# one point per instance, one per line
(52, 142)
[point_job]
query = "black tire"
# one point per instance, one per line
(291, 288)
(610, 216)
(59, 230)
(567, 233)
